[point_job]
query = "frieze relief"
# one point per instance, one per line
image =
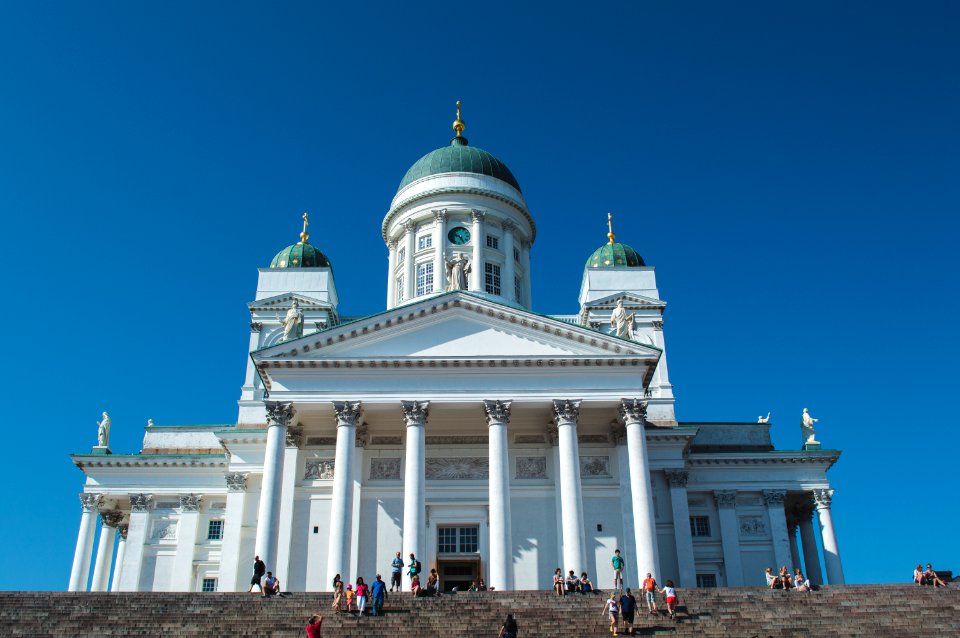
(322, 440)
(318, 470)
(456, 440)
(752, 526)
(593, 438)
(457, 468)
(531, 467)
(386, 440)
(164, 530)
(594, 466)
(528, 438)
(385, 469)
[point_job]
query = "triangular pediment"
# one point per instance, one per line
(453, 326)
(631, 301)
(283, 301)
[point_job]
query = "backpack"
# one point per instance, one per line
(416, 567)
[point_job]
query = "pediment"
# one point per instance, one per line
(455, 325)
(283, 301)
(631, 301)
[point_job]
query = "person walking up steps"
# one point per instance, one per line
(650, 593)
(671, 595)
(618, 563)
(396, 568)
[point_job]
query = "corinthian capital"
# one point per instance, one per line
(440, 215)
(415, 412)
(122, 530)
(477, 215)
(140, 502)
(677, 478)
(190, 502)
(293, 437)
(347, 412)
(111, 518)
(90, 502)
(279, 413)
(566, 411)
(774, 497)
(633, 411)
(497, 411)
(236, 481)
(726, 498)
(823, 498)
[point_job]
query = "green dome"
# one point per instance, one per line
(459, 158)
(615, 255)
(300, 255)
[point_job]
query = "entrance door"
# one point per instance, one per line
(458, 573)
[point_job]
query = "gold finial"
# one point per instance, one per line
(303, 234)
(458, 124)
(610, 234)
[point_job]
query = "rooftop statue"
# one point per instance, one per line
(621, 322)
(457, 270)
(103, 431)
(764, 419)
(293, 322)
(806, 428)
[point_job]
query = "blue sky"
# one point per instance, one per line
(789, 168)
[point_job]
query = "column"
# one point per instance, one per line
(291, 464)
(88, 527)
(392, 275)
(182, 578)
(778, 527)
(566, 413)
(831, 550)
(108, 536)
(414, 496)
(121, 554)
(341, 505)
(268, 515)
(510, 268)
(686, 561)
(792, 526)
(628, 545)
(501, 542)
(479, 241)
(439, 261)
(136, 536)
(633, 412)
(525, 256)
(409, 281)
(231, 563)
(730, 536)
(811, 556)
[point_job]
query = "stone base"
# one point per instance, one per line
(100, 450)
(811, 446)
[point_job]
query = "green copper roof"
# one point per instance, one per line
(459, 158)
(300, 256)
(615, 255)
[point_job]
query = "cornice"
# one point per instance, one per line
(765, 458)
(151, 460)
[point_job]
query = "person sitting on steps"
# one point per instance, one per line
(932, 579)
(558, 581)
(573, 583)
(586, 586)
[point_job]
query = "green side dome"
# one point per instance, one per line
(615, 255)
(301, 255)
(459, 158)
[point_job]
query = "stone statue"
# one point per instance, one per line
(764, 419)
(806, 428)
(149, 423)
(621, 322)
(293, 322)
(457, 270)
(103, 431)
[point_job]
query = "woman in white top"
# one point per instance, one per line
(671, 595)
(800, 583)
(613, 608)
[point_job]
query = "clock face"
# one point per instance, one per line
(458, 235)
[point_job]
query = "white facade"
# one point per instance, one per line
(492, 441)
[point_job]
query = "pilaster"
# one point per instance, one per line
(140, 505)
(730, 536)
(235, 514)
(778, 526)
(686, 562)
(183, 576)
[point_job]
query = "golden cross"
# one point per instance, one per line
(303, 235)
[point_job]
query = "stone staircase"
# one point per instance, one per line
(853, 610)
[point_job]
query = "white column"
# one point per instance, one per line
(730, 536)
(231, 578)
(501, 542)
(409, 283)
(81, 556)
(439, 241)
(414, 496)
(268, 515)
(510, 268)
(108, 536)
(811, 555)
(628, 545)
(291, 463)
(137, 531)
(681, 526)
(634, 415)
(831, 550)
(565, 414)
(479, 241)
(121, 554)
(794, 551)
(777, 518)
(392, 275)
(525, 256)
(182, 578)
(341, 505)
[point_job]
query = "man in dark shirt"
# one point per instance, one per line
(259, 569)
(628, 606)
(378, 591)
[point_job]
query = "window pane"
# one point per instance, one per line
(516, 255)
(401, 254)
(424, 242)
(215, 531)
(209, 585)
(517, 290)
(399, 288)
(469, 540)
(706, 580)
(424, 278)
(700, 525)
(492, 278)
(493, 242)
(447, 540)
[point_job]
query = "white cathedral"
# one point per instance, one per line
(458, 424)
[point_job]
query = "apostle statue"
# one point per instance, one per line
(293, 322)
(764, 419)
(806, 428)
(621, 322)
(103, 431)
(457, 270)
